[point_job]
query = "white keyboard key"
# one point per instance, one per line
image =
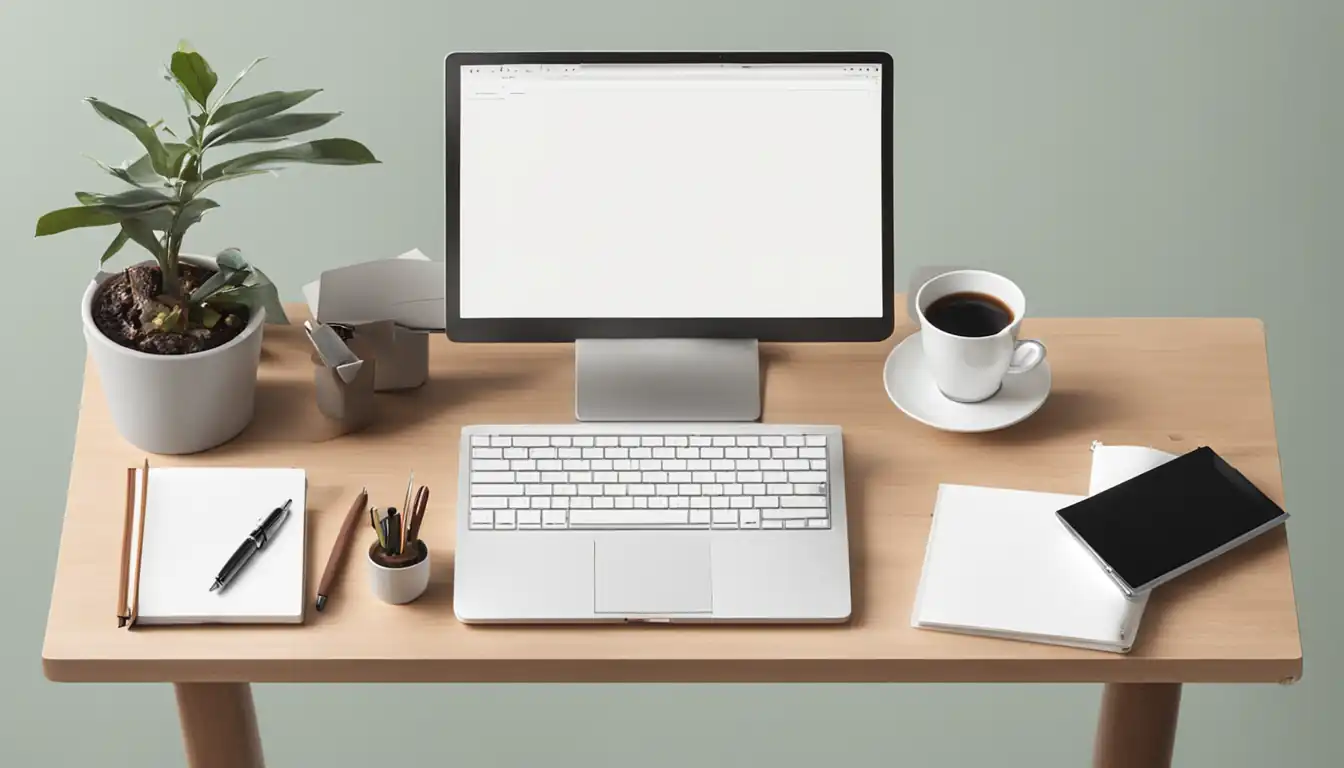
(699, 517)
(629, 441)
(553, 518)
(583, 441)
(489, 502)
(593, 453)
(540, 502)
(772, 523)
(765, 502)
(489, 465)
(677, 441)
(779, 489)
(719, 502)
(674, 465)
(482, 518)
(569, 453)
(712, 489)
(793, 514)
(624, 465)
(772, 440)
(775, 477)
(658, 502)
(748, 440)
(797, 464)
(749, 518)
(758, 453)
(680, 502)
(722, 464)
(735, 453)
(772, 465)
(700, 502)
(794, 440)
(580, 477)
(496, 490)
(531, 441)
(664, 453)
(599, 518)
(702, 477)
(491, 477)
(732, 490)
(580, 502)
(739, 502)
(617, 453)
(529, 517)
(480, 440)
(515, 453)
(522, 464)
(547, 465)
(540, 489)
(487, 453)
(711, 453)
(796, 502)
(651, 465)
(554, 477)
(613, 489)
(605, 477)
(678, 477)
(653, 477)
(578, 465)
(725, 477)
(628, 477)
(725, 518)
(745, 464)
(602, 465)
(807, 477)
(565, 489)
(519, 502)
(688, 489)
(809, 489)
(641, 502)
(665, 489)
(816, 440)
(794, 523)
(607, 442)
(700, 440)
(688, 453)
(754, 489)
(815, 523)
(504, 520)
(527, 477)
(723, 440)
(559, 502)
(783, 453)
(500, 441)
(812, 453)
(641, 453)
(561, 441)
(604, 502)
(650, 440)
(697, 465)
(624, 502)
(640, 490)
(819, 464)
(590, 490)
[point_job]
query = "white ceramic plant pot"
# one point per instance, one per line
(399, 585)
(176, 404)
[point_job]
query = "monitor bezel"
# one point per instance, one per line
(568, 329)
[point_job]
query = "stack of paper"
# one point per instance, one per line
(999, 563)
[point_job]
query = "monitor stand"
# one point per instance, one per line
(667, 380)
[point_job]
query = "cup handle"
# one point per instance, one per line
(1027, 354)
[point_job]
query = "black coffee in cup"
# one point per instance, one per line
(969, 314)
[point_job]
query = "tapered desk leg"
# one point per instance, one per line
(219, 725)
(1138, 725)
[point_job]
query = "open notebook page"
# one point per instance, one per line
(194, 520)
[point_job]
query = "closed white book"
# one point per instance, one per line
(194, 518)
(999, 563)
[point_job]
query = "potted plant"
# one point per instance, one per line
(177, 339)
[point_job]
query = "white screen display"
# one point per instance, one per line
(671, 191)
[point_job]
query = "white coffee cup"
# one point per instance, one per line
(971, 369)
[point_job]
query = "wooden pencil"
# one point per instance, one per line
(123, 584)
(134, 610)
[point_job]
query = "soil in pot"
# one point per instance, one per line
(417, 554)
(125, 306)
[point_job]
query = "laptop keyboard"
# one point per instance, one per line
(702, 479)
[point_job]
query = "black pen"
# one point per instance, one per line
(258, 539)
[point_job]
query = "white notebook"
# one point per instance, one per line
(999, 563)
(194, 520)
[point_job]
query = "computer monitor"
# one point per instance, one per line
(666, 212)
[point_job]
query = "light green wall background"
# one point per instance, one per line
(1119, 158)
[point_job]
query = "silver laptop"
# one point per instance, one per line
(665, 213)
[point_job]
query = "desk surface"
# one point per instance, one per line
(1174, 384)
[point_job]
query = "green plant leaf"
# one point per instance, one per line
(254, 297)
(195, 188)
(133, 199)
(232, 258)
(195, 75)
(233, 272)
(176, 154)
(236, 80)
(320, 152)
(161, 219)
(239, 113)
(74, 218)
(117, 242)
(140, 232)
(149, 139)
(278, 127)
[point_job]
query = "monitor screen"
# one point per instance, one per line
(670, 190)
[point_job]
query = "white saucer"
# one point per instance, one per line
(910, 386)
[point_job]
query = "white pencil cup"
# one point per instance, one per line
(401, 584)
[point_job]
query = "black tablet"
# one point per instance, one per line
(1171, 519)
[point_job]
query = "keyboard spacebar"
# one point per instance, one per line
(627, 518)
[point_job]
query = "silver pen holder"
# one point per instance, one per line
(401, 354)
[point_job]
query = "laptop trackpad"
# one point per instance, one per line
(666, 573)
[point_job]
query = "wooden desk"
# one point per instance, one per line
(1173, 384)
